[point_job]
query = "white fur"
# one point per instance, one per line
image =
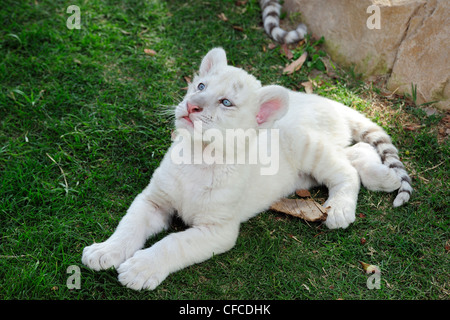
(215, 199)
(374, 175)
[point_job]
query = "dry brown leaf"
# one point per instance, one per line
(430, 111)
(306, 209)
(446, 119)
(303, 193)
(150, 52)
(285, 50)
(222, 17)
(412, 127)
(238, 28)
(296, 65)
(308, 86)
(240, 3)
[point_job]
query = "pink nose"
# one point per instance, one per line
(193, 109)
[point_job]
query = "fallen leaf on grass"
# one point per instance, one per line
(308, 86)
(223, 17)
(288, 53)
(430, 111)
(296, 65)
(303, 193)
(187, 79)
(306, 209)
(150, 52)
(412, 127)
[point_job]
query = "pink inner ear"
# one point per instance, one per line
(208, 66)
(267, 110)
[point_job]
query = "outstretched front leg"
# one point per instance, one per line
(144, 218)
(343, 189)
(329, 165)
(149, 267)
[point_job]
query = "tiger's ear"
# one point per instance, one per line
(215, 58)
(273, 105)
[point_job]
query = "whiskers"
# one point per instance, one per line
(167, 112)
(206, 119)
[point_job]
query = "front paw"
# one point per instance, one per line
(341, 213)
(142, 271)
(104, 255)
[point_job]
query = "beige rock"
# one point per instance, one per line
(423, 56)
(406, 40)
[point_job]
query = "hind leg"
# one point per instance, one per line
(374, 175)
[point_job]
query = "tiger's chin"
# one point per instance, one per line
(184, 123)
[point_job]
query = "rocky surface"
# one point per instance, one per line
(406, 41)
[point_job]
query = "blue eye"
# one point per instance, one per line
(201, 86)
(226, 102)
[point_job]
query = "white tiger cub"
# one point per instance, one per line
(215, 198)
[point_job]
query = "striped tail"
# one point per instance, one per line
(271, 20)
(365, 130)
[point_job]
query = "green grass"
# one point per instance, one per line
(82, 128)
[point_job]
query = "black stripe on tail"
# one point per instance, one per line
(271, 20)
(381, 141)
